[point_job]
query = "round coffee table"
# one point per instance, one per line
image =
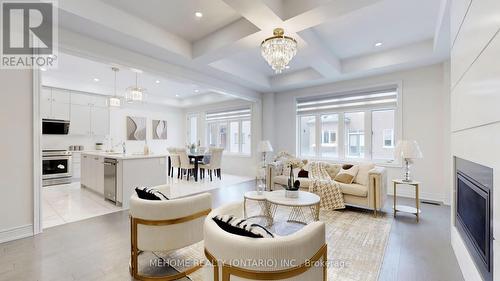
(260, 198)
(304, 208)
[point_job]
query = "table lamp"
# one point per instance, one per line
(408, 150)
(265, 147)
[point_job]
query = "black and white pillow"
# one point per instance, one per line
(242, 227)
(148, 193)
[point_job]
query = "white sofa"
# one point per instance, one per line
(369, 189)
(224, 249)
(165, 226)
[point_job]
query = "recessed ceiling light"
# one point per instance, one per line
(198, 14)
(43, 69)
(157, 81)
(177, 96)
(196, 91)
(96, 79)
(378, 44)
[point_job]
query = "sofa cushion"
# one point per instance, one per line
(354, 189)
(362, 176)
(333, 169)
(347, 175)
(242, 227)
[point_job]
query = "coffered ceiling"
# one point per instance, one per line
(336, 38)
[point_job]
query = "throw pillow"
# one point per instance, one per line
(241, 227)
(347, 175)
(303, 174)
(147, 193)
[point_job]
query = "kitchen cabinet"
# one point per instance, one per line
(92, 173)
(99, 121)
(76, 165)
(80, 120)
(54, 104)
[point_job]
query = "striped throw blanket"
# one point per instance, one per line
(327, 189)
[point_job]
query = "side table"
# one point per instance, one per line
(407, 209)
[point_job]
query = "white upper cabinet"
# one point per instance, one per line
(81, 99)
(99, 101)
(99, 121)
(54, 104)
(80, 120)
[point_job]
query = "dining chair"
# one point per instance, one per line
(186, 166)
(215, 163)
(175, 161)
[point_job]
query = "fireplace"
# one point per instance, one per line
(474, 212)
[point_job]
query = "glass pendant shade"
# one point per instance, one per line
(114, 101)
(278, 50)
(135, 94)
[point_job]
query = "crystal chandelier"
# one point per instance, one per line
(278, 50)
(135, 94)
(114, 101)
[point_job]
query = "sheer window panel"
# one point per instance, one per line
(329, 132)
(383, 123)
(246, 136)
(234, 131)
(308, 135)
(223, 135)
(354, 124)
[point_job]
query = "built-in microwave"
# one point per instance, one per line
(55, 127)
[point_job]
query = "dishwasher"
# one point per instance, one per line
(110, 180)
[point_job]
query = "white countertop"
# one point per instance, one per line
(121, 156)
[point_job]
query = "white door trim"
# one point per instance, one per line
(37, 154)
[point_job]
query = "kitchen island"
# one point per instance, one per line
(116, 175)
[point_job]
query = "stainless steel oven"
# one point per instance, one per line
(56, 167)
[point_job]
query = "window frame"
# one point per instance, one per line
(342, 142)
(229, 133)
(391, 138)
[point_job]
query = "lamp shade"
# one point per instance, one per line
(408, 149)
(265, 146)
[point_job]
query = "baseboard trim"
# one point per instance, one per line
(16, 233)
(408, 192)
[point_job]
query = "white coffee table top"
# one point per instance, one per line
(254, 195)
(305, 198)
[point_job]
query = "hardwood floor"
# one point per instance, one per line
(98, 248)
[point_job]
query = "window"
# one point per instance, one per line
(192, 129)
(355, 125)
(329, 129)
(230, 130)
(308, 135)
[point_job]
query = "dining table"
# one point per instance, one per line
(193, 157)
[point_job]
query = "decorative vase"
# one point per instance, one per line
(291, 179)
(291, 193)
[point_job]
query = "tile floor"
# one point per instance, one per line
(69, 203)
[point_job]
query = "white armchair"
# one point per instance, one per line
(166, 226)
(300, 256)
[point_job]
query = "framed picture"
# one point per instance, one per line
(159, 129)
(136, 128)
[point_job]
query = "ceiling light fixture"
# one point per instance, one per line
(196, 91)
(115, 100)
(278, 50)
(135, 94)
(157, 81)
(177, 96)
(378, 44)
(198, 14)
(96, 79)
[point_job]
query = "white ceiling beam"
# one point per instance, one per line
(319, 56)
(397, 56)
(297, 77)
(87, 47)
(241, 70)
(443, 26)
(120, 21)
(257, 12)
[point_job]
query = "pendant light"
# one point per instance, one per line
(135, 94)
(115, 100)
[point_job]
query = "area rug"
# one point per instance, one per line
(356, 243)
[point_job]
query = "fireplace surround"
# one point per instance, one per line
(474, 212)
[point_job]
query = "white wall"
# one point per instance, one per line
(475, 84)
(175, 127)
(16, 154)
(425, 118)
(233, 164)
